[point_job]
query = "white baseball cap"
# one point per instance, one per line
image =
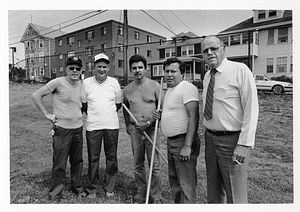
(101, 56)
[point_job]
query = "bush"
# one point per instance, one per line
(283, 78)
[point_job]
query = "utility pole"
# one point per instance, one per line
(14, 49)
(125, 48)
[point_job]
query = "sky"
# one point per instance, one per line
(165, 22)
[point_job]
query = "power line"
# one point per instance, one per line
(183, 22)
(158, 22)
(166, 21)
(99, 12)
(60, 23)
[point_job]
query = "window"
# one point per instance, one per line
(190, 50)
(291, 66)
(54, 70)
(272, 13)
(120, 30)
(225, 40)
(41, 57)
(245, 38)
(136, 35)
(60, 42)
(103, 47)
(270, 65)
(184, 50)
(271, 36)
(41, 43)
(61, 56)
(235, 40)
(89, 66)
(89, 35)
(161, 42)
(149, 53)
(89, 50)
(120, 47)
(61, 69)
(158, 70)
(170, 52)
(103, 30)
(173, 53)
(261, 14)
(136, 50)
(42, 73)
(36, 57)
(70, 40)
(27, 45)
(283, 35)
(71, 53)
(281, 65)
(31, 45)
(79, 43)
(120, 63)
(148, 39)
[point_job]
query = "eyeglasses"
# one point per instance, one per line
(212, 49)
(72, 69)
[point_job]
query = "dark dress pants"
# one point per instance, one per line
(94, 142)
(226, 181)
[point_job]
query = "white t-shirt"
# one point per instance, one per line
(174, 118)
(101, 99)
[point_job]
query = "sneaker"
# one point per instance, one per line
(91, 196)
(82, 194)
(110, 194)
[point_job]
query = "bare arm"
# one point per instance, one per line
(192, 109)
(37, 97)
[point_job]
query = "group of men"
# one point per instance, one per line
(230, 109)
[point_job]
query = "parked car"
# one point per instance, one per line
(264, 83)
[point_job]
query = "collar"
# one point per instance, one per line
(221, 67)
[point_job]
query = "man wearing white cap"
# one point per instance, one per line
(101, 98)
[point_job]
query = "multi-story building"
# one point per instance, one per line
(106, 37)
(187, 47)
(39, 46)
(270, 50)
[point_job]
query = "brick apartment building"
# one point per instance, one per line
(106, 37)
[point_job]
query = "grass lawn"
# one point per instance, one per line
(270, 168)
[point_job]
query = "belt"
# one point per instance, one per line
(222, 132)
(177, 136)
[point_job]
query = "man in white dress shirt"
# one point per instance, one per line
(230, 117)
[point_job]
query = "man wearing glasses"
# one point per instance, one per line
(101, 97)
(230, 109)
(67, 127)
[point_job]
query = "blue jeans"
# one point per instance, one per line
(183, 175)
(94, 141)
(66, 143)
(140, 144)
(226, 181)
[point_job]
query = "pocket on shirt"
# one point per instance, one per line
(226, 92)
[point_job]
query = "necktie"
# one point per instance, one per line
(209, 96)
